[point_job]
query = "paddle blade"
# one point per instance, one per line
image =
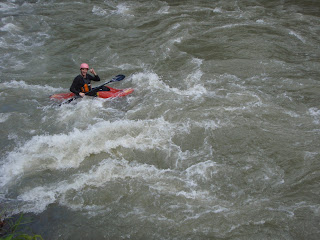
(117, 78)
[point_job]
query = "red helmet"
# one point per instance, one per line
(84, 65)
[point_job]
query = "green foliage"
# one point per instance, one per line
(9, 230)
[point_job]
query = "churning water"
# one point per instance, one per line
(219, 140)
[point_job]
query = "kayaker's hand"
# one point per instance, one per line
(92, 71)
(82, 94)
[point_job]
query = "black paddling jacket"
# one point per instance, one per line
(79, 82)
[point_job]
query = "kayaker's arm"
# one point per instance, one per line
(76, 86)
(93, 72)
(95, 76)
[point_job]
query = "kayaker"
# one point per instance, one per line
(82, 83)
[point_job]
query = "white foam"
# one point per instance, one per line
(108, 170)
(123, 9)
(231, 25)
(176, 26)
(22, 41)
(202, 170)
(310, 155)
(127, 66)
(164, 10)
(6, 6)
(193, 194)
(210, 124)
(292, 114)
(260, 21)
(14, 84)
(217, 10)
(153, 82)
(63, 151)
(9, 27)
(297, 36)
(4, 117)
(315, 113)
(99, 11)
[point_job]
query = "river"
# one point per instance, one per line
(219, 140)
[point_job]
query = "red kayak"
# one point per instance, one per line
(101, 94)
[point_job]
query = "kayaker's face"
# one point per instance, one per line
(83, 71)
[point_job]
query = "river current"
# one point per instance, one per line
(219, 140)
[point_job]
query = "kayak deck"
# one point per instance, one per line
(101, 94)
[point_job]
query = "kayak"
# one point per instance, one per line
(101, 94)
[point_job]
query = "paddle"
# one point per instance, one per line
(114, 79)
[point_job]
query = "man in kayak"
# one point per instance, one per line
(82, 83)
